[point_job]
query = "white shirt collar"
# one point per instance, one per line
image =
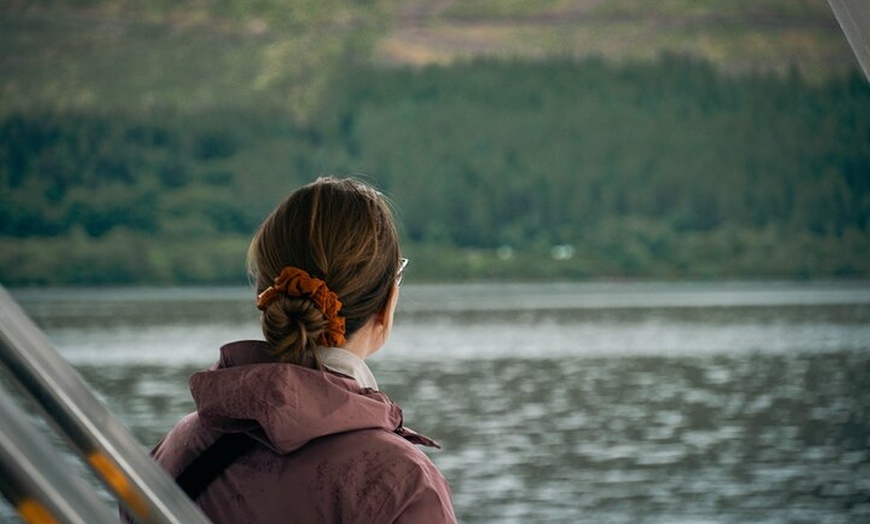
(344, 362)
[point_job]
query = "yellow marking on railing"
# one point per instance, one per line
(33, 512)
(119, 483)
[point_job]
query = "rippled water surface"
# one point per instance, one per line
(652, 403)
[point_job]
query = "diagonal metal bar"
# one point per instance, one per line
(37, 480)
(854, 19)
(141, 486)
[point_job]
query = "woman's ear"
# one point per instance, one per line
(385, 317)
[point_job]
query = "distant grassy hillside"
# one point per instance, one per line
(147, 56)
(736, 35)
(108, 55)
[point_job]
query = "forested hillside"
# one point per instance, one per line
(649, 170)
(506, 168)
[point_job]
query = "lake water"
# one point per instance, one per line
(613, 403)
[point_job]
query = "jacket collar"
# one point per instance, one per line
(342, 361)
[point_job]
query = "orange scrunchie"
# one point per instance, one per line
(296, 282)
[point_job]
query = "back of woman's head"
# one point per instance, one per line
(340, 231)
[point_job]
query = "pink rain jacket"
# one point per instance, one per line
(331, 452)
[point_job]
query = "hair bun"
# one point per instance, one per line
(293, 326)
(295, 282)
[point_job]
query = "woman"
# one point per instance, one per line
(310, 437)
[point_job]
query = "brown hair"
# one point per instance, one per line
(340, 231)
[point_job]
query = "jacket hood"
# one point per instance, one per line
(285, 405)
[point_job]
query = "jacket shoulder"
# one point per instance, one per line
(406, 481)
(184, 442)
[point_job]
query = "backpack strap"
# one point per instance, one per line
(212, 462)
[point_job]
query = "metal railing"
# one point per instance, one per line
(112, 453)
(34, 477)
(854, 19)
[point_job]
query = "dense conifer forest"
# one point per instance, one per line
(497, 169)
